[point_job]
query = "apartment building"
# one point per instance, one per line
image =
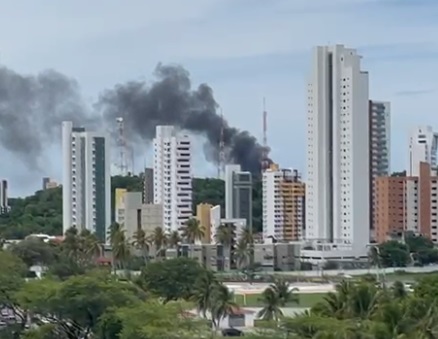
(283, 204)
(337, 187)
(380, 146)
(423, 145)
(238, 194)
(148, 186)
(172, 176)
(407, 204)
(86, 180)
(4, 199)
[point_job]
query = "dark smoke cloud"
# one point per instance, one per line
(170, 100)
(32, 109)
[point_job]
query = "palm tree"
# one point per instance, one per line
(242, 254)
(192, 232)
(203, 293)
(159, 240)
(174, 239)
(92, 246)
(222, 304)
(225, 237)
(284, 292)
(271, 306)
(121, 249)
(141, 243)
(113, 231)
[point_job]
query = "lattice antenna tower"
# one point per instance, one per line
(122, 146)
(265, 148)
(221, 162)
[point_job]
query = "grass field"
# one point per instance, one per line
(306, 300)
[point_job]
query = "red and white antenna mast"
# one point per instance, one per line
(121, 143)
(265, 151)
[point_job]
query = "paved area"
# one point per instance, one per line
(257, 288)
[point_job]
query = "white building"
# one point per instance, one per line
(337, 199)
(172, 176)
(423, 145)
(86, 182)
(216, 221)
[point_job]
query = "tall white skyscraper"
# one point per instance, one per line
(173, 176)
(337, 193)
(86, 182)
(423, 145)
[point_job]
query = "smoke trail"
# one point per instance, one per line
(32, 109)
(170, 100)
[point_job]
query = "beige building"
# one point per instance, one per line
(203, 214)
(133, 214)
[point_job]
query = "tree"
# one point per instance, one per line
(159, 240)
(76, 305)
(174, 239)
(225, 237)
(171, 279)
(34, 251)
(203, 293)
(193, 231)
(223, 304)
(141, 243)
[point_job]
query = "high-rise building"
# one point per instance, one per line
(423, 145)
(173, 176)
(407, 203)
(148, 186)
(86, 182)
(283, 204)
(380, 146)
(4, 200)
(337, 190)
(49, 183)
(238, 194)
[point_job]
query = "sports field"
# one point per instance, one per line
(306, 300)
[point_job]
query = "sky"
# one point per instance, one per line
(244, 49)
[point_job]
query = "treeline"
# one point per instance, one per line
(177, 298)
(42, 212)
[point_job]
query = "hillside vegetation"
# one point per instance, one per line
(42, 211)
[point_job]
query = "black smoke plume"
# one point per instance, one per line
(170, 100)
(32, 109)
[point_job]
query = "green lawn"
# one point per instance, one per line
(306, 300)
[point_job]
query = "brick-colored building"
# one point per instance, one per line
(406, 204)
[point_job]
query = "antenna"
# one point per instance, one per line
(121, 144)
(221, 162)
(265, 162)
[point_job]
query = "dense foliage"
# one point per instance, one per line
(42, 212)
(177, 298)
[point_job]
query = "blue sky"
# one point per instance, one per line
(244, 49)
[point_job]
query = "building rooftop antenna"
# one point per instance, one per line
(122, 146)
(221, 162)
(265, 148)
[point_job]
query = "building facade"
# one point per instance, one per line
(337, 191)
(148, 186)
(238, 194)
(423, 145)
(4, 199)
(407, 204)
(380, 147)
(86, 182)
(203, 214)
(283, 204)
(172, 177)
